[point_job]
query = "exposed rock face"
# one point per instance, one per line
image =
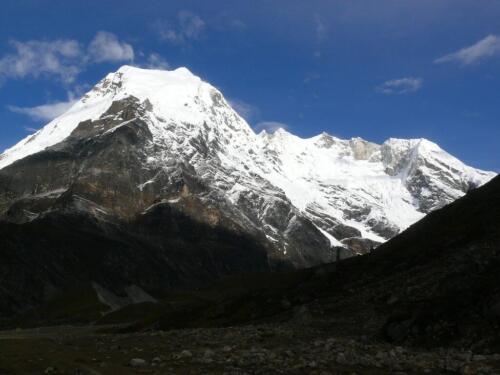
(107, 164)
(433, 178)
(76, 215)
(361, 149)
(360, 245)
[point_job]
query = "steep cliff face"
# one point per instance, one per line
(141, 138)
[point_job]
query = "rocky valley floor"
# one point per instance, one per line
(295, 347)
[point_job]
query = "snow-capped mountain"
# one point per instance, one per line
(143, 138)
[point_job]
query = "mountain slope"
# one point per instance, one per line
(432, 292)
(162, 250)
(303, 195)
(434, 285)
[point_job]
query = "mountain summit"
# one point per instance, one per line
(143, 139)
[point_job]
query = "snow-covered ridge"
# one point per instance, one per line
(170, 88)
(347, 188)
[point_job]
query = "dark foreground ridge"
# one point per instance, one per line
(427, 301)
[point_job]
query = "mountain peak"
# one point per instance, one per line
(131, 69)
(126, 68)
(184, 71)
(177, 95)
(144, 83)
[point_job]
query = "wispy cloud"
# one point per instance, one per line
(246, 110)
(270, 126)
(487, 47)
(251, 113)
(45, 112)
(319, 28)
(225, 21)
(155, 61)
(35, 58)
(106, 47)
(188, 26)
(63, 59)
(400, 86)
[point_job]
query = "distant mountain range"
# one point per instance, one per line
(275, 184)
(153, 171)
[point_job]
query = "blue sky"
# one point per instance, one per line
(369, 68)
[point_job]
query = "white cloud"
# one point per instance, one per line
(35, 58)
(45, 112)
(106, 47)
(189, 27)
(64, 59)
(484, 48)
(156, 61)
(244, 109)
(61, 58)
(270, 126)
(400, 86)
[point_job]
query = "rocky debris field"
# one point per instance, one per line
(288, 348)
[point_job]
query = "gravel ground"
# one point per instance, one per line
(289, 348)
